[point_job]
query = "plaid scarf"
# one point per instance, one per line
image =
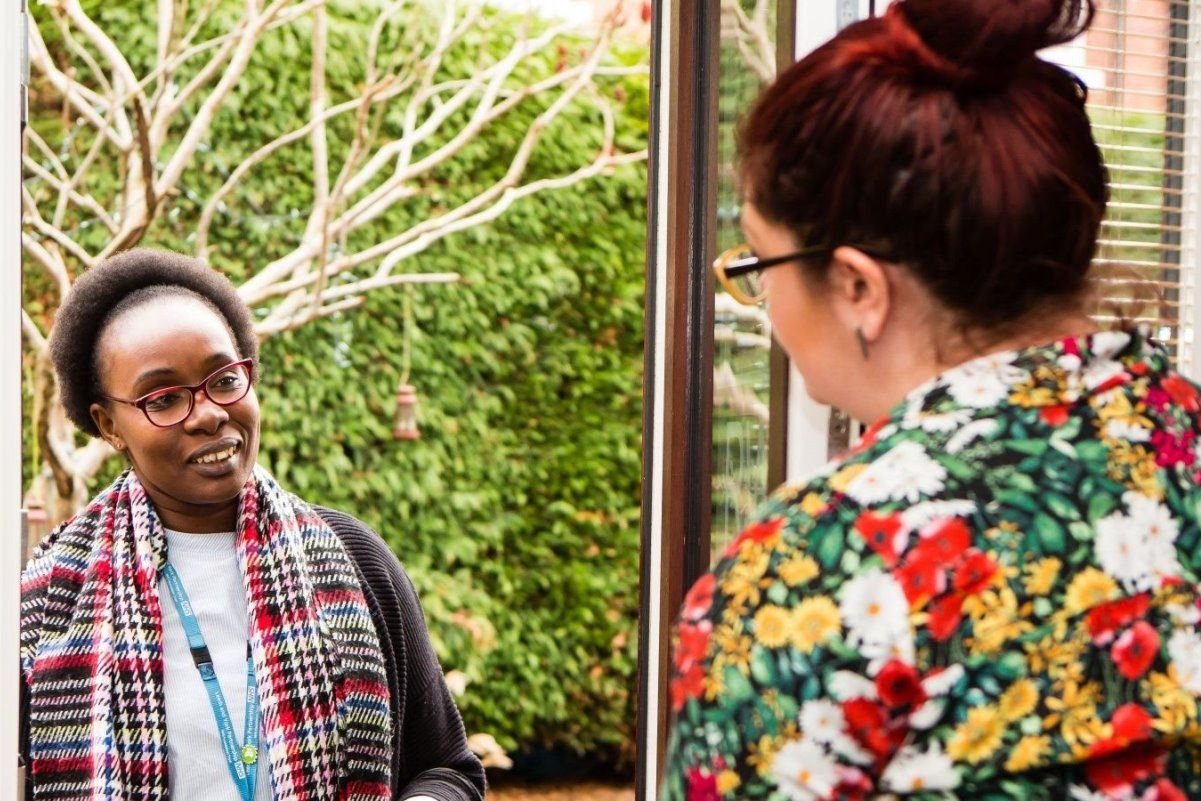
(92, 653)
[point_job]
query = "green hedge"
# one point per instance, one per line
(517, 512)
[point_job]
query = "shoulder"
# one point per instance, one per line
(374, 558)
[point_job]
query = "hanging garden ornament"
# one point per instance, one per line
(404, 424)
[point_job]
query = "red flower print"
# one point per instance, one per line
(870, 725)
(1135, 650)
(755, 532)
(702, 785)
(1164, 790)
(1157, 399)
(1131, 723)
(945, 614)
(1113, 382)
(699, 598)
(853, 784)
(880, 532)
(974, 571)
(900, 685)
(944, 541)
(686, 685)
(1054, 415)
(1171, 449)
(693, 643)
(869, 435)
(1182, 392)
(1105, 620)
(1116, 774)
(920, 579)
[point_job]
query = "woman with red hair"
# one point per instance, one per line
(995, 595)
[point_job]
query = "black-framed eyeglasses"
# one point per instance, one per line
(170, 406)
(738, 270)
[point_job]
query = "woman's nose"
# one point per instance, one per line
(207, 415)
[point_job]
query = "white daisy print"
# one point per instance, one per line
(822, 721)
(874, 607)
(846, 685)
(905, 472)
(913, 770)
(1184, 648)
(969, 433)
(804, 771)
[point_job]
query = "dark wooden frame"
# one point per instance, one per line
(689, 121)
(777, 404)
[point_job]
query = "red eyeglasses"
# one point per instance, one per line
(170, 406)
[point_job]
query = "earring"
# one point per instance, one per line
(862, 342)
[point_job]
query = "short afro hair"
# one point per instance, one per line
(99, 293)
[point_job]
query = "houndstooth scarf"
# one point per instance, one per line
(92, 653)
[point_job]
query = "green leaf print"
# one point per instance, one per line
(829, 546)
(1031, 447)
(1060, 506)
(1052, 538)
(1101, 505)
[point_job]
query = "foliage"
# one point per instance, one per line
(516, 513)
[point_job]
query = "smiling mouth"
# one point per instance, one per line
(218, 456)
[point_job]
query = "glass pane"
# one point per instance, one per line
(741, 337)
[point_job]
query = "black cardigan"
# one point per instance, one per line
(430, 755)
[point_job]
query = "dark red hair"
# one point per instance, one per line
(935, 137)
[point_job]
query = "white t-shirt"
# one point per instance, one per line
(207, 565)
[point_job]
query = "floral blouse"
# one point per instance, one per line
(995, 596)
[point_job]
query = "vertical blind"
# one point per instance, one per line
(1139, 65)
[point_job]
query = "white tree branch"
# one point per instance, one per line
(37, 340)
(79, 97)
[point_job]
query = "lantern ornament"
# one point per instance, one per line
(404, 423)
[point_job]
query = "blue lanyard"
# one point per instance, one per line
(243, 762)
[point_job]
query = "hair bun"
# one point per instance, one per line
(990, 38)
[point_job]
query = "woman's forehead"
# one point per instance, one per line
(167, 330)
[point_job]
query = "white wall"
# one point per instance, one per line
(11, 54)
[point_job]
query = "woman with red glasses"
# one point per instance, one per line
(995, 595)
(197, 632)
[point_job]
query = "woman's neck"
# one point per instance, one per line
(929, 351)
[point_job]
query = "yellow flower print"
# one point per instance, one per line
(772, 626)
(1144, 475)
(978, 737)
(1018, 700)
(733, 650)
(1028, 397)
(1030, 751)
(1134, 466)
(1114, 406)
(812, 504)
(761, 754)
(1053, 653)
(1176, 706)
(727, 782)
(1089, 588)
(1041, 576)
(996, 621)
(814, 621)
(839, 481)
(798, 570)
(742, 583)
(1074, 710)
(715, 681)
